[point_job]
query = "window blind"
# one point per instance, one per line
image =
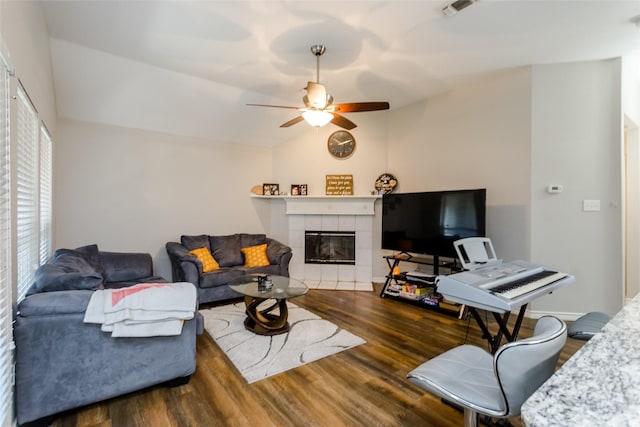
(27, 241)
(6, 334)
(46, 181)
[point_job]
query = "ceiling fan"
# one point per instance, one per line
(319, 108)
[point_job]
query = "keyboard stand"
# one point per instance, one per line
(503, 324)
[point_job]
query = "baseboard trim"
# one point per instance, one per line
(568, 316)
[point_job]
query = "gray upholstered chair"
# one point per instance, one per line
(497, 385)
(586, 326)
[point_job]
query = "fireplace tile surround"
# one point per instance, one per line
(346, 213)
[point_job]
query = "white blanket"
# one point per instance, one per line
(143, 310)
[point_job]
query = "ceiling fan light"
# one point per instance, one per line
(317, 118)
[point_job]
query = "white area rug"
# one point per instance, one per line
(258, 356)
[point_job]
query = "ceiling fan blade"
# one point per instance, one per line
(292, 122)
(354, 107)
(274, 106)
(317, 95)
(342, 121)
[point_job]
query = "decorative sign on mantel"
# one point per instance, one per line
(339, 185)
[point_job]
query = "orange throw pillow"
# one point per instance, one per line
(208, 262)
(256, 256)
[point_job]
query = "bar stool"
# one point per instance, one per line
(497, 385)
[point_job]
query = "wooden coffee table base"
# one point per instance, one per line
(263, 321)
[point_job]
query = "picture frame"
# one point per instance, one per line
(295, 190)
(339, 185)
(303, 189)
(270, 189)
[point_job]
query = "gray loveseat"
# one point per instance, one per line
(63, 363)
(227, 251)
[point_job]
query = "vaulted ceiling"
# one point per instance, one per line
(190, 67)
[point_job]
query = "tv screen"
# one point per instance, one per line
(429, 222)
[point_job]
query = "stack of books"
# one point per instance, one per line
(417, 285)
(422, 287)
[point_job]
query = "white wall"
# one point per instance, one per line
(631, 87)
(307, 161)
(514, 134)
(474, 137)
(459, 140)
(24, 33)
(133, 190)
(577, 142)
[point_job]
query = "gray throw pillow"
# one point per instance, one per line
(195, 242)
(92, 255)
(226, 250)
(247, 240)
(66, 271)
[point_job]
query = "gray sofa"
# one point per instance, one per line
(63, 363)
(227, 251)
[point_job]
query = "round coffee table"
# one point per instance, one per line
(263, 320)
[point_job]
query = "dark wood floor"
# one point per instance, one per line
(363, 386)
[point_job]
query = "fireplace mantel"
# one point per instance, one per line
(327, 205)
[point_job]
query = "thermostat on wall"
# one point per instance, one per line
(554, 188)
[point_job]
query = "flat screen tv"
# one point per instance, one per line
(429, 222)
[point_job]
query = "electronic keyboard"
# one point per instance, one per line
(501, 286)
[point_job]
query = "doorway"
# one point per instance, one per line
(632, 210)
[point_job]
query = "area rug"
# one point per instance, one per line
(258, 357)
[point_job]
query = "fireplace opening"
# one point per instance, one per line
(330, 247)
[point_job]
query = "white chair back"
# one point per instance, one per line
(522, 366)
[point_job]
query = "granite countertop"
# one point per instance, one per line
(599, 385)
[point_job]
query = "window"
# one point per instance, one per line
(6, 334)
(46, 181)
(27, 240)
(25, 212)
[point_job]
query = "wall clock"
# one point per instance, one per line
(341, 144)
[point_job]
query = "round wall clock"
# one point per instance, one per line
(341, 144)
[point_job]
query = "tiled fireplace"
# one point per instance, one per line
(332, 215)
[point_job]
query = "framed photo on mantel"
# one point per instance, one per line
(339, 185)
(270, 189)
(298, 189)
